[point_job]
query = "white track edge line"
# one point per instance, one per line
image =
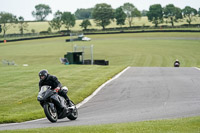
(197, 68)
(9, 124)
(81, 103)
(99, 88)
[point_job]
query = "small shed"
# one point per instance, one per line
(74, 57)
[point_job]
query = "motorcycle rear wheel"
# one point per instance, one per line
(74, 113)
(51, 116)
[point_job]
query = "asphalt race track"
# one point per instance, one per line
(138, 94)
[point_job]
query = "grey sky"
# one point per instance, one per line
(25, 7)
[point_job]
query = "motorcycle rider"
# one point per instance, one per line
(176, 63)
(50, 80)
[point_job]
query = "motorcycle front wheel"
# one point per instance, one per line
(50, 114)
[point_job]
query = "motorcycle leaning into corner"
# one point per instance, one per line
(55, 106)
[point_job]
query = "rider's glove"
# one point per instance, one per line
(57, 89)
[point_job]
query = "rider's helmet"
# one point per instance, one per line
(43, 73)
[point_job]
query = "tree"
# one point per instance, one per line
(56, 22)
(85, 24)
(22, 25)
(120, 16)
(83, 13)
(189, 13)
(199, 12)
(144, 12)
(41, 12)
(131, 11)
(155, 14)
(49, 30)
(103, 14)
(7, 20)
(0, 29)
(68, 19)
(172, 13)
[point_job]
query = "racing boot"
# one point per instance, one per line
(69, 104)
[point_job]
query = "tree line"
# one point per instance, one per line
(102, 14)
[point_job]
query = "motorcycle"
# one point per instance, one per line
(55, 106)
(176, 64)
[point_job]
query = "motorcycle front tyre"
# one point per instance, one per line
(51, 116)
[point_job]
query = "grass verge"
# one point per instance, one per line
(181, 125)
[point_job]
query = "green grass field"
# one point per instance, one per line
(19, 84)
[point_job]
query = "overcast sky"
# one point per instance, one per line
(24, 8)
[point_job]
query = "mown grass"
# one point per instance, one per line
(158, 49)
(181, 125)
(19, 84)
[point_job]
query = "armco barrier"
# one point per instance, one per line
(142, 31)
(92, 33)
(31, 38)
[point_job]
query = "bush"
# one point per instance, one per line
(191, 25)
(44, 32)
(33, 30)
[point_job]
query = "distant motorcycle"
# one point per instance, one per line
(176, 64)
(55, 106)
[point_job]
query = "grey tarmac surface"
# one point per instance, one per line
(139, 94)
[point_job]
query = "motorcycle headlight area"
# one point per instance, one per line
(40, 97)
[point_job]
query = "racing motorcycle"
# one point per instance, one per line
(176, 64)
(55, 106)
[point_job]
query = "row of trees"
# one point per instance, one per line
(102, 14)
(7, 20)
(172, 14)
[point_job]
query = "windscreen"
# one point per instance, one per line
(43, 89)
